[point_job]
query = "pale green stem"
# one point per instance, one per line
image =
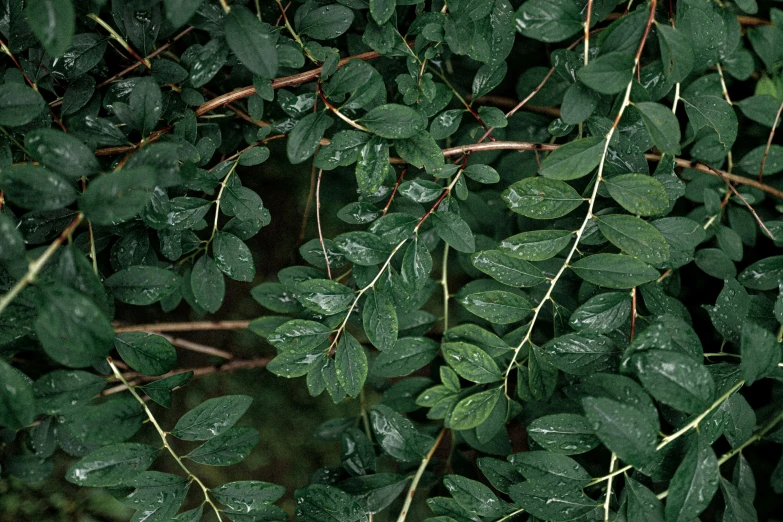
(444, 281)
(120, 40)
(417, 477)
(609, 487)
(163, 437)
(35, 266)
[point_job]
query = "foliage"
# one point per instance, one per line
(570, 310)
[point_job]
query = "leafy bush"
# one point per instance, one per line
(567, 307)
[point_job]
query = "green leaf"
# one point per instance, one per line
(473, 496)
(760, 352)
(421, 150)
(716, 113)
(416, 264)
(614, 271)
(693, 484)
(146, 353)
(453, 230)
(550, 469)
(160, 390)
(61, 153)
(602, 313)
(497, 306)
(324, 296)
(730, 310)
(379, 319)
(17, 402)
(350, 365)
(248, 496)
(565, 433)
(549, 503)
(299, 335)
(573, 160)
(321, 503)
(252, 41)
(738, 507)
(142, 285)
(506, 269)
(382, 10)
(406, 356)
(233, 257)
(397, 436)
(635, 237)
(207, 284)
(211, 418)
(765, 274)
(474, 409)
(623, 429)
(639, 194)
(676, 53)
(542, 198)
(146, 105)
(306, 135)
(675, 379)
(71, 328)
(36, 188)
(112, 465)
(372, 165)
(549, 20)
(52, 22)
(482, 173)
(113, 421)
(580, 353)
(363, 248)
(471, 362)
(231, 447)
(536, 245)
(610, 73)
(642, 503)
(662, 125)
(118, 196)
(19, 104)
(61, 390)
(394, 121)
(179, 12)
(325, 23)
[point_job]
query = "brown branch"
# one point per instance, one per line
(184, 327)
(198, 347)
(748, 21)
(394, 191)
(769, 141)
(229, 367)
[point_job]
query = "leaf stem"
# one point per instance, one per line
(120, 40)
(163, 437)
(609, 486)
(417, 477)
(35, 266)
(444, 281)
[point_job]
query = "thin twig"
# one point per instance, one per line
(769, 141)
(318, 221)
(184, 327)
(417, 477)
(310, 196)
(199, 348)
(394, 191)
(36, 266)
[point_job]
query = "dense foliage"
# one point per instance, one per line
(553, 290)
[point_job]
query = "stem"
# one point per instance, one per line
(318, 221)
(444, 281)
(416, 478)
(609, 487)
(769, 141)
(198, 347)
(726, 456)
(695, 422)
(511, 515)
(184, 327)
(163, 434)
(36, 266)
(337, 112)
(116, 36)
(587, 30)
(226, 9)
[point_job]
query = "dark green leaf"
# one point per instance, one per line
(542, 198)
(146, 353)
(614, 270)
(231, 447)
(211, 418)
(251, 41)
(573, 160)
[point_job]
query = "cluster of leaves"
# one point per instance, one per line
(579, 243)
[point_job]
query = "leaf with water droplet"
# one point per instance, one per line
(211, 418)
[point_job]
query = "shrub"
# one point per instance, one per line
(567, 307)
